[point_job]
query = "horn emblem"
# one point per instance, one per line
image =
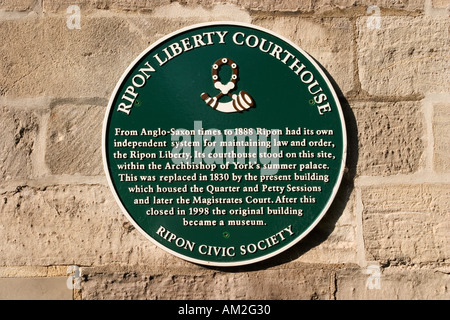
(241, 102)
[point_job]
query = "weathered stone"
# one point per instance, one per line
(442, 4)
(19, 132)
(126, 5)
(46, 227)
(17, 5)
(313, 5)
(84, 62)
(406, 224)
(80, 225)
(308, 282)
(219, 12)
(441, 133)
(94, 231)
(405, 56)
(390, 137)
(391, 284)
(328, 40)
(333, 240)
(33, 271)
(74, 140)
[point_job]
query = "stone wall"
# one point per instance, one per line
(386, 235)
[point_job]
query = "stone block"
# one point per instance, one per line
(308, 282)
(74, 140)
(23, 272)
(125, 5)
(441, 134)
(328, 41)
(313, 5)
(333, 240)
(440, 4)
(17, 5)
(392, 284)
(78, 63)
(86, 62)
(19, 133)
(218, 12)
(262, 5)
(406, 224)
(405, 56)
(389, 137)
(70, 225)
(34, 289)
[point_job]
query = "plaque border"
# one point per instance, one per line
(207, 262)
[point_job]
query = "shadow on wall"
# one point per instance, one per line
(327, 224)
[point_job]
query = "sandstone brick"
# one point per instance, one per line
(327, 40)
(262, 5)
(74, 140)
(33, 271)
(406, 224)
(441, 133)
(313, 5)
(309, 282)
(442, 4)
(92, 230)
(333, 240)
(19, 132)
(389, 137)
(17, 5)
(70, 225)
(405, 56)
(42, 57)
(402, 5)
(394, 284)
(126, 5)
(23, 272)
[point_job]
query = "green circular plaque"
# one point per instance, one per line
(224, 143)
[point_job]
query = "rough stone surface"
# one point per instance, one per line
(85, 62)
(308, 282)
(384, 148)
(219, 12)
(389, 219)
(19, 132)
(17, 5)
(405, 56)
(326, 40)
(91, 229)
(392, 284)
(74, 140)
(442, 4)
(407, 224)
(313, 5)
(441, 133)
(80, 63)
(33, 271)
(126, 5)
(95, 231)
(333, 240)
